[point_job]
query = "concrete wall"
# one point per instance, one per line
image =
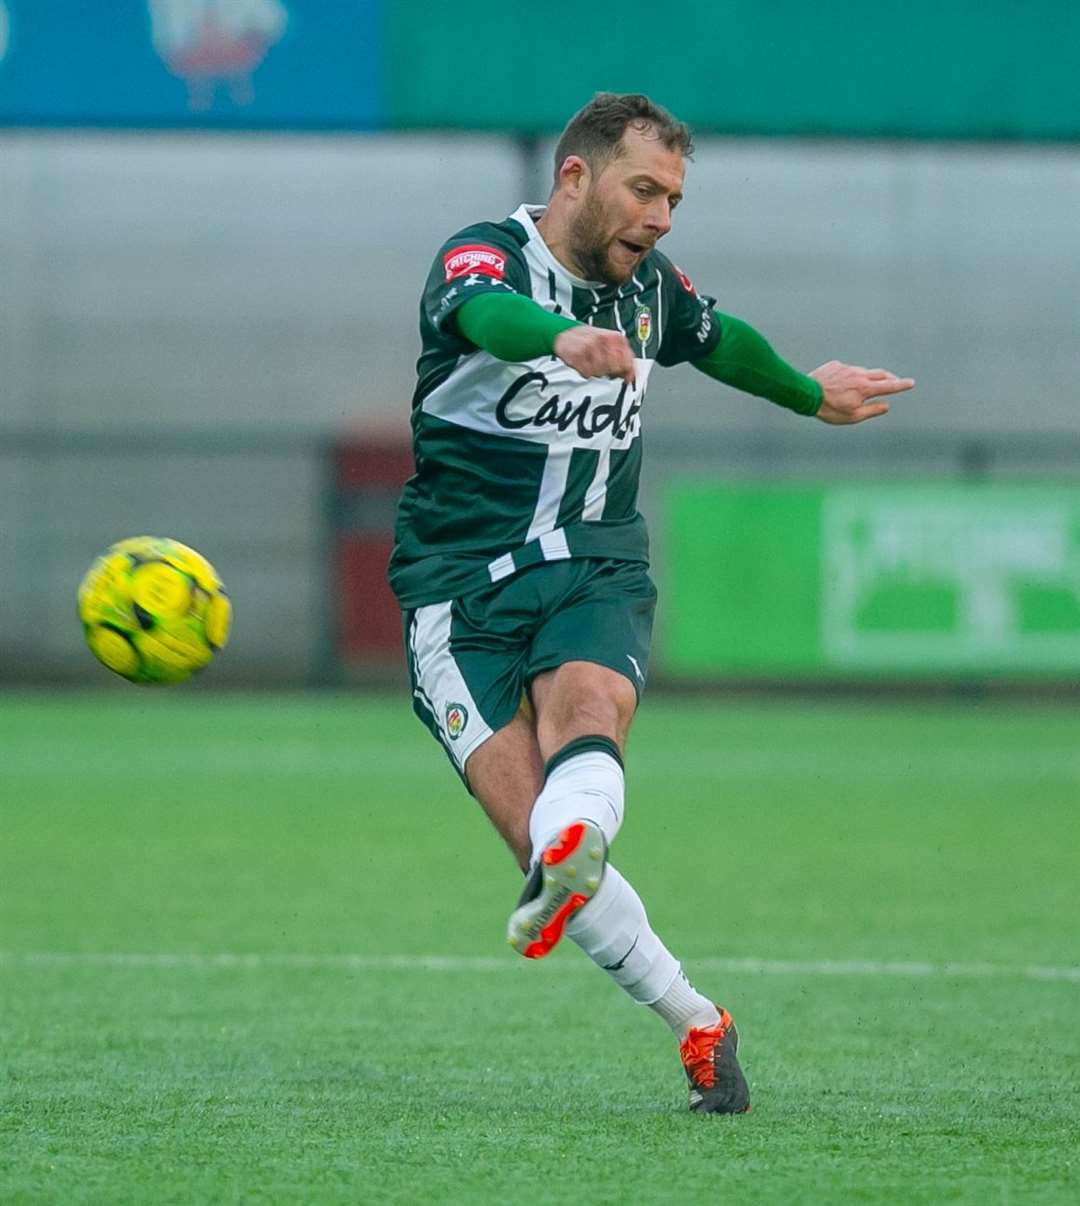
(264, 285)
(189, 280)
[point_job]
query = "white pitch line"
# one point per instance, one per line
(488, 963)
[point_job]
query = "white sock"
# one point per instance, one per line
(588, 786)
(683, 1007)
(613, 930)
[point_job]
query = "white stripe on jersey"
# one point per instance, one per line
(552, 489)
(615, 311)
(564, 295)
(554, 547)
(543, 274)
(596, 494)
(502, 567)
(643, 343)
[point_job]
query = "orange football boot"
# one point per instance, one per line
(709, 1057)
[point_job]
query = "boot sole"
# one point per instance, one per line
(565, 879)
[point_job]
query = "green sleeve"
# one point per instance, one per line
(510, 327)
(745, 359)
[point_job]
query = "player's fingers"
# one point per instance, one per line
(870, 411)
(615, 367)
(624, 363)
(896, 386)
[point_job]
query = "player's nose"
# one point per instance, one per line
(658, 219)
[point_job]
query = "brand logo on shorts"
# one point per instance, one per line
(457, 717)
(475, 258)
(644, 324)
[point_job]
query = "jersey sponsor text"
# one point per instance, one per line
(474, 258)
(588, 420)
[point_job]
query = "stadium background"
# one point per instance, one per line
(251, 942)
(215, 218)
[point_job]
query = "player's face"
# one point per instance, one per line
(626, 209)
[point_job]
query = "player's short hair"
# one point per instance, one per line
(595, 132)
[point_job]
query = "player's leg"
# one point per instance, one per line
(467, 676)
(467, 661)
(583, 716)
(506, 774)
(575, 705)
(584, 709)
(587, 662)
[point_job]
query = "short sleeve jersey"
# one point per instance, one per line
(519, 463)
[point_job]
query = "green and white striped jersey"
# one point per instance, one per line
(529, 462)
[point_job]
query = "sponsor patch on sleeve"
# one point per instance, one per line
(684, 280)
(475, 258)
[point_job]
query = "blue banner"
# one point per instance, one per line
(247, 64)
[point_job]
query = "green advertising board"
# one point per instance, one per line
(856, 580)
(963, 69)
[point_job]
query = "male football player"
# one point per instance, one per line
(521, 561)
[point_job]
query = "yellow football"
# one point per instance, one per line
(153, 610)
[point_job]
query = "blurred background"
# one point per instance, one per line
(216, 217)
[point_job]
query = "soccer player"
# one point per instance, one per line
(521, 561)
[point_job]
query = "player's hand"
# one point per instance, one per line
(848, 391)
(596, 353)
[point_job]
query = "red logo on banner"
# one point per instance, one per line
(476, 257)
(216, 42)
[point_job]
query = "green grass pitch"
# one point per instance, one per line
(253, 951)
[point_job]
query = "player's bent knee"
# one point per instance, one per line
(582, 698)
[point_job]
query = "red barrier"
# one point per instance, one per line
(365, 483)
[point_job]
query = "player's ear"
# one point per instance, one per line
(573, 175)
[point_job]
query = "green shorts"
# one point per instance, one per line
(471, 659)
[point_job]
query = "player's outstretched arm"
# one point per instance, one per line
(743, 358)
(835, 393)
(849, 391)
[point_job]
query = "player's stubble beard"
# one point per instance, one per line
(590, 244)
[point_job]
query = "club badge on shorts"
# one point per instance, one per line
(457, 717)
(644, 324)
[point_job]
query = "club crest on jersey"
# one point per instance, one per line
(474, 258)
(644, 324)
(457, 717)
